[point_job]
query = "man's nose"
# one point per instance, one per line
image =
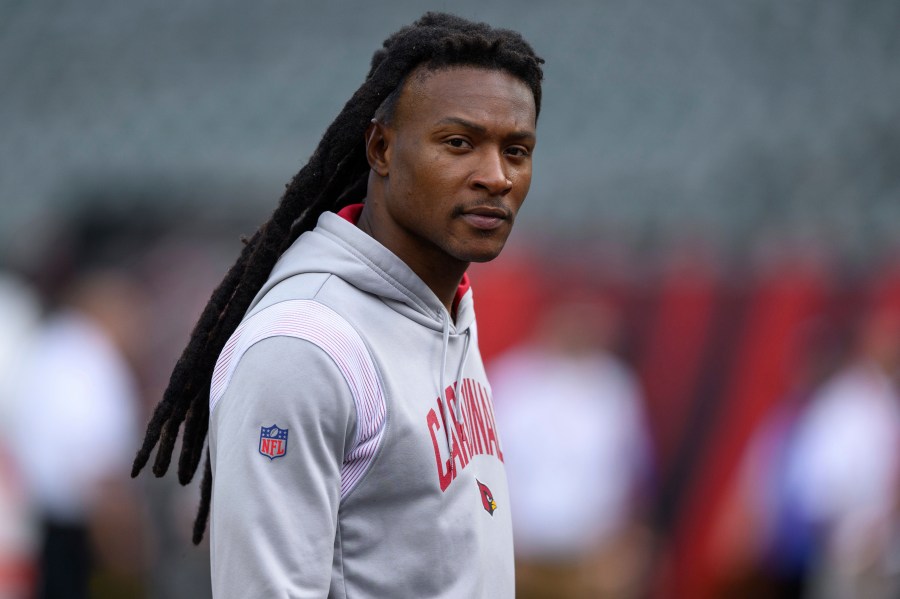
(491, 174)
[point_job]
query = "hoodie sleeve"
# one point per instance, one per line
(279, 435)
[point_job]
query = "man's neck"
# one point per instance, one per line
(444, 281)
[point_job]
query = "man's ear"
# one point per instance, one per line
(378, 147)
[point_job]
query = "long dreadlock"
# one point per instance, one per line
(335, 176)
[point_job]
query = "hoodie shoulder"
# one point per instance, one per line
(301, 286)
(328, 331)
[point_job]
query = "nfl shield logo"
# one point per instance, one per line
(273, 441)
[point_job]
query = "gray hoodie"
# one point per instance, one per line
(352, 435)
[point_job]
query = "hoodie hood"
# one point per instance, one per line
(337, 246)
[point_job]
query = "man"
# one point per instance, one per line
(352, 449)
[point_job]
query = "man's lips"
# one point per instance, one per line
(485, 218)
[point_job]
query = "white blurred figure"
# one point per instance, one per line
(570, 414)
(845, 470)
(19, 314)
(74, 431)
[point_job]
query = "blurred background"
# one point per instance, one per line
(698, 314)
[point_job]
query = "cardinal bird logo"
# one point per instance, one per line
(487, 498)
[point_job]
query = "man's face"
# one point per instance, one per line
(456, 165)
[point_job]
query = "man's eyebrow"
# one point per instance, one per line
(455, 120)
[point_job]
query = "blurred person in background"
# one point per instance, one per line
(845, 468)
(73, 418)
(764, 544)
(19, 314)
(578, 456)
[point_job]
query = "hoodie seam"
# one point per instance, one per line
(340, 551)
(386, 424)
(386, 428)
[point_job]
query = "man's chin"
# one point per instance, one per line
(483, 255)
(478, 248)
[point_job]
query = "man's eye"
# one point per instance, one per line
(458, 142)
(518, 151)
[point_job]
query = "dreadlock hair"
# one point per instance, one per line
(335, 176)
